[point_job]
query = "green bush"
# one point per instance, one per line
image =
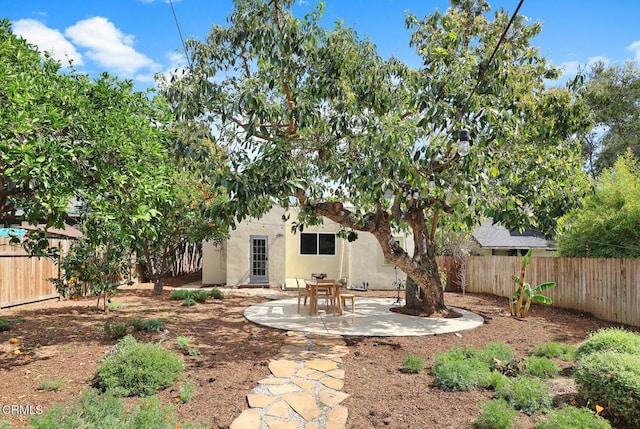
(200, 296)
(570, 417)
(189, 302)
(552, 349)
(217, 293)
(526, 394)
(150, 325)
(137, 369)
(611, 380)
(497, 352)
(496, 414)
(460, 369)
(614, 339)
(496, 379)
(115, 330)
(540, 367)
(412, 364)
(5, 324)
(105, 411)
(52, 385)
(186, 392)
(180, 294)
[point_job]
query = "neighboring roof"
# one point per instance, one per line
(68, 231)
(493, 236)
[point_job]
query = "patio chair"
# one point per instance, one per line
(303, 292)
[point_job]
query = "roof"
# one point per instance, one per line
(493, 236)
(68, 231)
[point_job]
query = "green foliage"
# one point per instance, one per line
(188, 302)
(186, 392)
(137, 369)
(606, 224)
(496, 379)
(106, 411)
(412, 364)
(195, 296)
(149, 325)
(527, 394)
(115, 330)
(5, 324)
(612, 94)
(496, 414)
(52, 385)
(612, 380)
(552, 349)
(184, 343)
(310, 114)
(570, 417)
(540, 367)
(497, 351)
(613, 339)
(217, 294)
(520, 301)
(460, 369)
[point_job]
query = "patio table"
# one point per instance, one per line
(315, 285)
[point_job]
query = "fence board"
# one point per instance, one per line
(23, 279)
(606, 288)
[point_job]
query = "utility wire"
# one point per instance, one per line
(184, 45)
(493, 54)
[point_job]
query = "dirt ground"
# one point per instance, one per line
(63, 342)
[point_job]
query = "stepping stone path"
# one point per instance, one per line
(304, 390)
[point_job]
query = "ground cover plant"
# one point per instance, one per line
(571, 417)
(137, 369)
(234, 356)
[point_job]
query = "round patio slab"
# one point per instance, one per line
(372, 318)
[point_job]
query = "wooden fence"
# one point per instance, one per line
(23, 279)
(608, 289)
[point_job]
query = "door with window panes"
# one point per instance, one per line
(259, 259)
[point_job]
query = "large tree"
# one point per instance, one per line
(606, 225)
(318, 116)
(613, 95)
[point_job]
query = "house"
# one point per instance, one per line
(499, 241)
(265, 252)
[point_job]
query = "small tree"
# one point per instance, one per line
(520, 301)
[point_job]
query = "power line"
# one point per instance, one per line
(184, 45)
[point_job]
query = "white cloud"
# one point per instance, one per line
(107, 46)
(47, 39)
(635, 47)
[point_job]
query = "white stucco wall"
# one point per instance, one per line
(214, 263)
(368, 264)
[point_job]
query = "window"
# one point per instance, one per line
(317, 244)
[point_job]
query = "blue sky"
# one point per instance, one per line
(134, 39)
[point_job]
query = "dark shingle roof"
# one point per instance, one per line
(493, 236)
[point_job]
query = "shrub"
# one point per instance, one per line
(570, 417)
(526, 394)
(150, 325)
(138, 369)
(540, 367)
(180, 294)
(497, 352)
(5, 324)
(412, 364)
(115, 330)
(217, 293)
(612, 380)
(188, 302)
(496, 414)
(552, 349)
(105, 411)
(460, 369)
(614, 339)
(200, 296)
(496, 379)
(52, 385)
(186, 392)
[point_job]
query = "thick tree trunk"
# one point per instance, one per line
(157, 287)
(424, 293)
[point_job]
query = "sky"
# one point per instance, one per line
(135, 39)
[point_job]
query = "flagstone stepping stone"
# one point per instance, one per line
(259, 401)
(303, 403)
(283, 368)
(248, 419)
(331, 397)
(322, 365)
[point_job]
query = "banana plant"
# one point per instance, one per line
(521, 299)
